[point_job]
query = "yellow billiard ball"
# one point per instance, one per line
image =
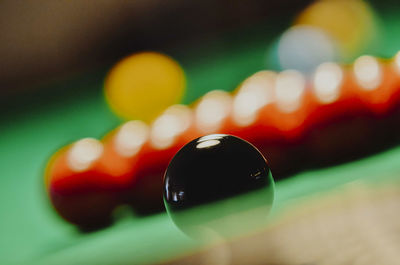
(144, 84)
(350, 22)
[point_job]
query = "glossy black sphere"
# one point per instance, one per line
(218, 181)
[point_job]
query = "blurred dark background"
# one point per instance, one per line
(45, 40)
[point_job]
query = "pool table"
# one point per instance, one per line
(33, 127)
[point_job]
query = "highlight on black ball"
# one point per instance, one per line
(218, 183)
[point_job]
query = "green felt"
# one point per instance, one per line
(31, 232)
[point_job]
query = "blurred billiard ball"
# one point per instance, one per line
(143, 85)
(220, 184)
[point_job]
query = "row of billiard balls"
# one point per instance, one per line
(217, 183)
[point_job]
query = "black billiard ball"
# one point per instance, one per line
(220, 183)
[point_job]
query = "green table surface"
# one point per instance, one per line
(32, 233)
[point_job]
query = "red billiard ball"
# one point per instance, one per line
(78, 187)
